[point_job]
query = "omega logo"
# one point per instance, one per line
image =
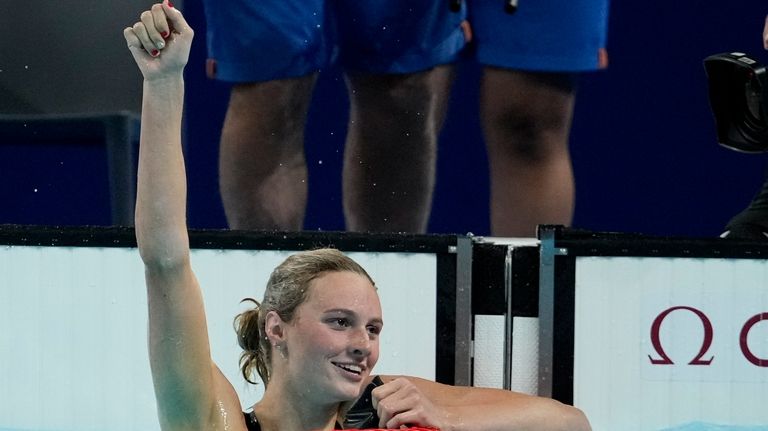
(699, 359)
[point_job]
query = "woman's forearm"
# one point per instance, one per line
(404, 400)
(161, 228)
(529, 414)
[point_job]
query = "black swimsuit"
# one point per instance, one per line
(362, 415)
(251, 423)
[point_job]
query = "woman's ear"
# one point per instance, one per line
(274, 327)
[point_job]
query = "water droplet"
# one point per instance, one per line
(35, 190)
(319, 162)
(318, 26)
(374, 184)
(384, 27)
(331, 133)
(26, 67)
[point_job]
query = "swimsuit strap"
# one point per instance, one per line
(363, 415)
(251, 422)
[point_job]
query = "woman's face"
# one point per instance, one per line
(333, 341)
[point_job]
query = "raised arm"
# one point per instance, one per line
(410, 400)
(191, 393)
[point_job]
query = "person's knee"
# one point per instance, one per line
(263, 132)
(408, 100)
(526, 117)
(527, 136)
(272, 108)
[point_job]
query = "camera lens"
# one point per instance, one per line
(753, 93)
(738, 97)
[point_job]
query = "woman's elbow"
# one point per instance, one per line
(552, 415)
(162, 250)
(573, 419)
(162, 262)
(162, 256)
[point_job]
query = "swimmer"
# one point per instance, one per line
(313, 339)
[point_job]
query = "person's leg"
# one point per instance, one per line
(527, 96)
(396, 55)
(270, 51)
(263, 174)
(389, 160)
(526, 119)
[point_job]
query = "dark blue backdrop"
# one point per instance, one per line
(643, 140)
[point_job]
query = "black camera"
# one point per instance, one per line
(738, 96)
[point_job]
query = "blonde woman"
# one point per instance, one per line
(313, 339)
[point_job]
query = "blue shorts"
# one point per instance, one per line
(542, 35)
(261, 40)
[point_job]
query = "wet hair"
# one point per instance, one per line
(287, 288)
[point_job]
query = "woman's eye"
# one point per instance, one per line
(340, 321)
(374, 330)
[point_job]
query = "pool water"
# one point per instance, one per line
(702, 426)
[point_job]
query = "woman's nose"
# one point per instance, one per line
(360, 342)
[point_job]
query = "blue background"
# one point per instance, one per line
(643, 141)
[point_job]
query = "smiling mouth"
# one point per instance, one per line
(355, 369)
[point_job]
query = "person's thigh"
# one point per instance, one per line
(397, 36)
(261, 40)
(543, 35)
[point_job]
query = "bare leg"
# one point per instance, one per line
(389, 161)
(526, 121)
(262, 170)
